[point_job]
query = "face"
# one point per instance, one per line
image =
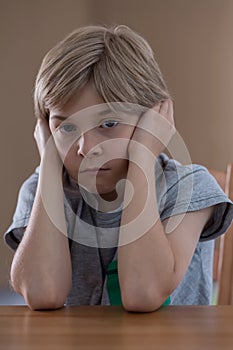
(92, 142)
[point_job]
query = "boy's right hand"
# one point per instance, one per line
(41, 134)
(50, 159)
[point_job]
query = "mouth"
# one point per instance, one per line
(94, 170)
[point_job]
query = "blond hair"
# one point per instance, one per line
(118, 60)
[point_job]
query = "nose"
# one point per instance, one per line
(89, 145)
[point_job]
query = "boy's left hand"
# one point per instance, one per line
(153, 131)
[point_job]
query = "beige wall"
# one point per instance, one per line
(193, 44)
(28, 29)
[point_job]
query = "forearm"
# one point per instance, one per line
(41, 268)
(146, 264)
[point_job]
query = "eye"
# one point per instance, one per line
(67, 128)
(109, 124)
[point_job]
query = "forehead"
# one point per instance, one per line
(84, 98)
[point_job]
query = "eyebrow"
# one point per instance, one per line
(58, 117)
(105, 111)
(100, 113)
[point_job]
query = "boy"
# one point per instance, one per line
(108, 218)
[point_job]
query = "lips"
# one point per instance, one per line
(93, 170)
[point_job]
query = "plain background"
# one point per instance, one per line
(192, 40)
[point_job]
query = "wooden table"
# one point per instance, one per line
(96, 327)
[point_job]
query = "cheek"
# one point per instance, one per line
(72, 165)
(124, 167)
(70, 156)
(65, 148)
(116, 148)
(128, 131)
(119, 169)
(70, 160)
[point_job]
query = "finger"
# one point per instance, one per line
(170, 113)
(42, 130)
(149, 112)
(157, 107)
(164, 108)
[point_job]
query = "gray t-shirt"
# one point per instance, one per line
(93, 234)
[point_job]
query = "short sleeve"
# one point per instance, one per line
(187, 188)
(22, 213)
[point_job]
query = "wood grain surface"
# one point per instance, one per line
(104, 327)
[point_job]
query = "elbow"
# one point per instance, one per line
(41, 295)
(41, 291)
(133, 301)
(46, 301)
(45, 305)
(38, 298)
(143, 305)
